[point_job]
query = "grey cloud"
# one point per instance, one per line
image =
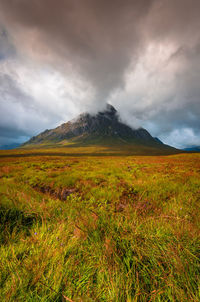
(99, 38)
(12, 135)
(22, 113)
(9, 90)
(7, 49)
(19, 116)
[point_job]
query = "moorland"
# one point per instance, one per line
(96, 225)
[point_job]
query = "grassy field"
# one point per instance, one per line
(99, 228)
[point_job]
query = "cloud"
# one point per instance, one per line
(32, 100)
(163, 95)
(6, 49)
(94, 39)
(187, 135)
(59, 58)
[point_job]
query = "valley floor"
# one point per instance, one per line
(99, 228)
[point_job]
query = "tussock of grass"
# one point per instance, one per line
(127, 231)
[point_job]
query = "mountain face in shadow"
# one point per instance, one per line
(104, 128)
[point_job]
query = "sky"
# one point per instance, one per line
(61, 58)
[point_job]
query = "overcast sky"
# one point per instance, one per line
(60, 58)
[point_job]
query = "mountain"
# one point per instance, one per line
(104, 128)
(192, 149)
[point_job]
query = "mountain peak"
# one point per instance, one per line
(109, 112)
(110, 109)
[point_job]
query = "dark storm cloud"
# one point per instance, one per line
(99, 38)
(11, 135)
(13, 106)
(103, 42)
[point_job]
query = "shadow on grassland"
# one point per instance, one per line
(13, 219)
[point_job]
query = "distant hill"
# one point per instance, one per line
(104, 128)
(193, 149)
(9, 147)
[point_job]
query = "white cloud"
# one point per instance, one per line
(181, 138)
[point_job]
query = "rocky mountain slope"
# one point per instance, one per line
(104, 128)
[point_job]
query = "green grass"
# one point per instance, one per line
(99, 228)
